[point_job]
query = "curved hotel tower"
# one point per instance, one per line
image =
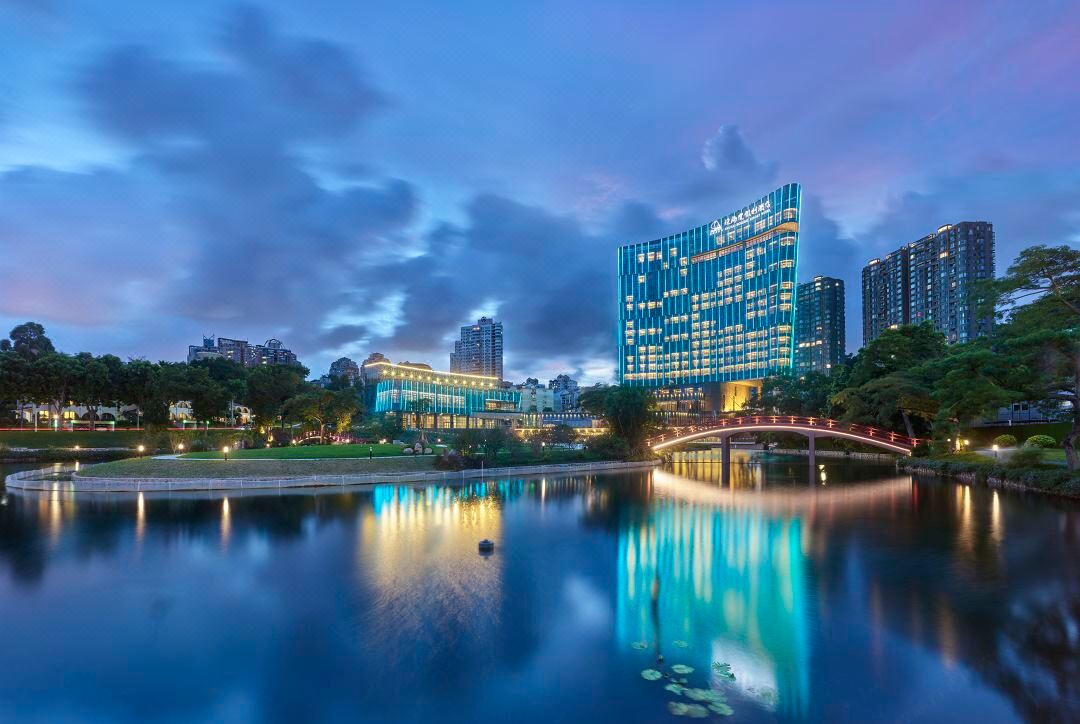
(705, 315)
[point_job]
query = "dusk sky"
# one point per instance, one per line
(353, 177)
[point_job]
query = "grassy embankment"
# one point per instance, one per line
(188, 467)
(303, 452)
(1043, 477)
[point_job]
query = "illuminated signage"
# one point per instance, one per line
(748, 214)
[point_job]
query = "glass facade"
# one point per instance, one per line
(706, 314)
(819, 326)
(440, 397)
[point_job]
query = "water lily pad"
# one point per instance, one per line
(694, 711)
(639, 645)
(650, 674)
(676, 689)
(698, 694)
(682, 669)
(721, 709)
(723, 671)
(681, 644)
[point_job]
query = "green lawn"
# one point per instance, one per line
(297, 452)
(155, 468)
(49, 439)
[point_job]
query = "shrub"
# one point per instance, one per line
(1025, 457)
(1041, 441)
(609, 447)
(1005, 440)
(449, 460)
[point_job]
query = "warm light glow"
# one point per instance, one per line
(141, 448)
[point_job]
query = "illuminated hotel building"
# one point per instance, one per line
(434, 400)
(706, 314)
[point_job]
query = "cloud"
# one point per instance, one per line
(218, 219)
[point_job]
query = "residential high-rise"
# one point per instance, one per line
(480, 349)
(819, 325)
(345, 368)
(934, 279)
(706, 314)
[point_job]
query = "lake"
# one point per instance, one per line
(849, 593)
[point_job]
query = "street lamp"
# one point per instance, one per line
(995, 451)
(180, 447)
(226, 451)
(141, 449)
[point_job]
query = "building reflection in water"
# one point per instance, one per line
(731, 581)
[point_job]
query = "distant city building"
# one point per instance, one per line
(706, 314)
(819, 325)
(535, 397)
(430, 399)
(480, 349)
(368, 371)
(932, 280)
(566, 393)
(344, 367)
(273, 352)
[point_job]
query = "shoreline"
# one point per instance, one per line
(32, 480)
(977, 477)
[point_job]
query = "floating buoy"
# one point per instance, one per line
(487, 546)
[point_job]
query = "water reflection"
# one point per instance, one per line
(731, 582)
(871, 593)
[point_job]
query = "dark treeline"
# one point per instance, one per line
(33, 371)
(909, 379)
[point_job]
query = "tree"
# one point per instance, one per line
(268, 388)
(209, 398)
(891, 379)
(808, 395)
(92, 383)
(15, 387)
(54, 379)
(630, 412)
(140, 385)
(495, 439)
(322, 407)
(28, 340)
(1044, 334)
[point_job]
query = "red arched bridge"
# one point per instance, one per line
(811, 427)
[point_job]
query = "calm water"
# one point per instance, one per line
(866, 596)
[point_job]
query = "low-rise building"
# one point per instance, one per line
(535, 397)
(434, 400)
(565, 392)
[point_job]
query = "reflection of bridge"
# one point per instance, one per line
(811, 427)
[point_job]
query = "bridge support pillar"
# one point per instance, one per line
(725, 461)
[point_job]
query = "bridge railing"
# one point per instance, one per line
(802, 423)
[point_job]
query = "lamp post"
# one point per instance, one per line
(180, 448)
(141, 450)
(995, 452)
(226, 451)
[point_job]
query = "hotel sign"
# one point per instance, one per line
(748, 214)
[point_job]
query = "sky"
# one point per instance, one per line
(368, 177)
